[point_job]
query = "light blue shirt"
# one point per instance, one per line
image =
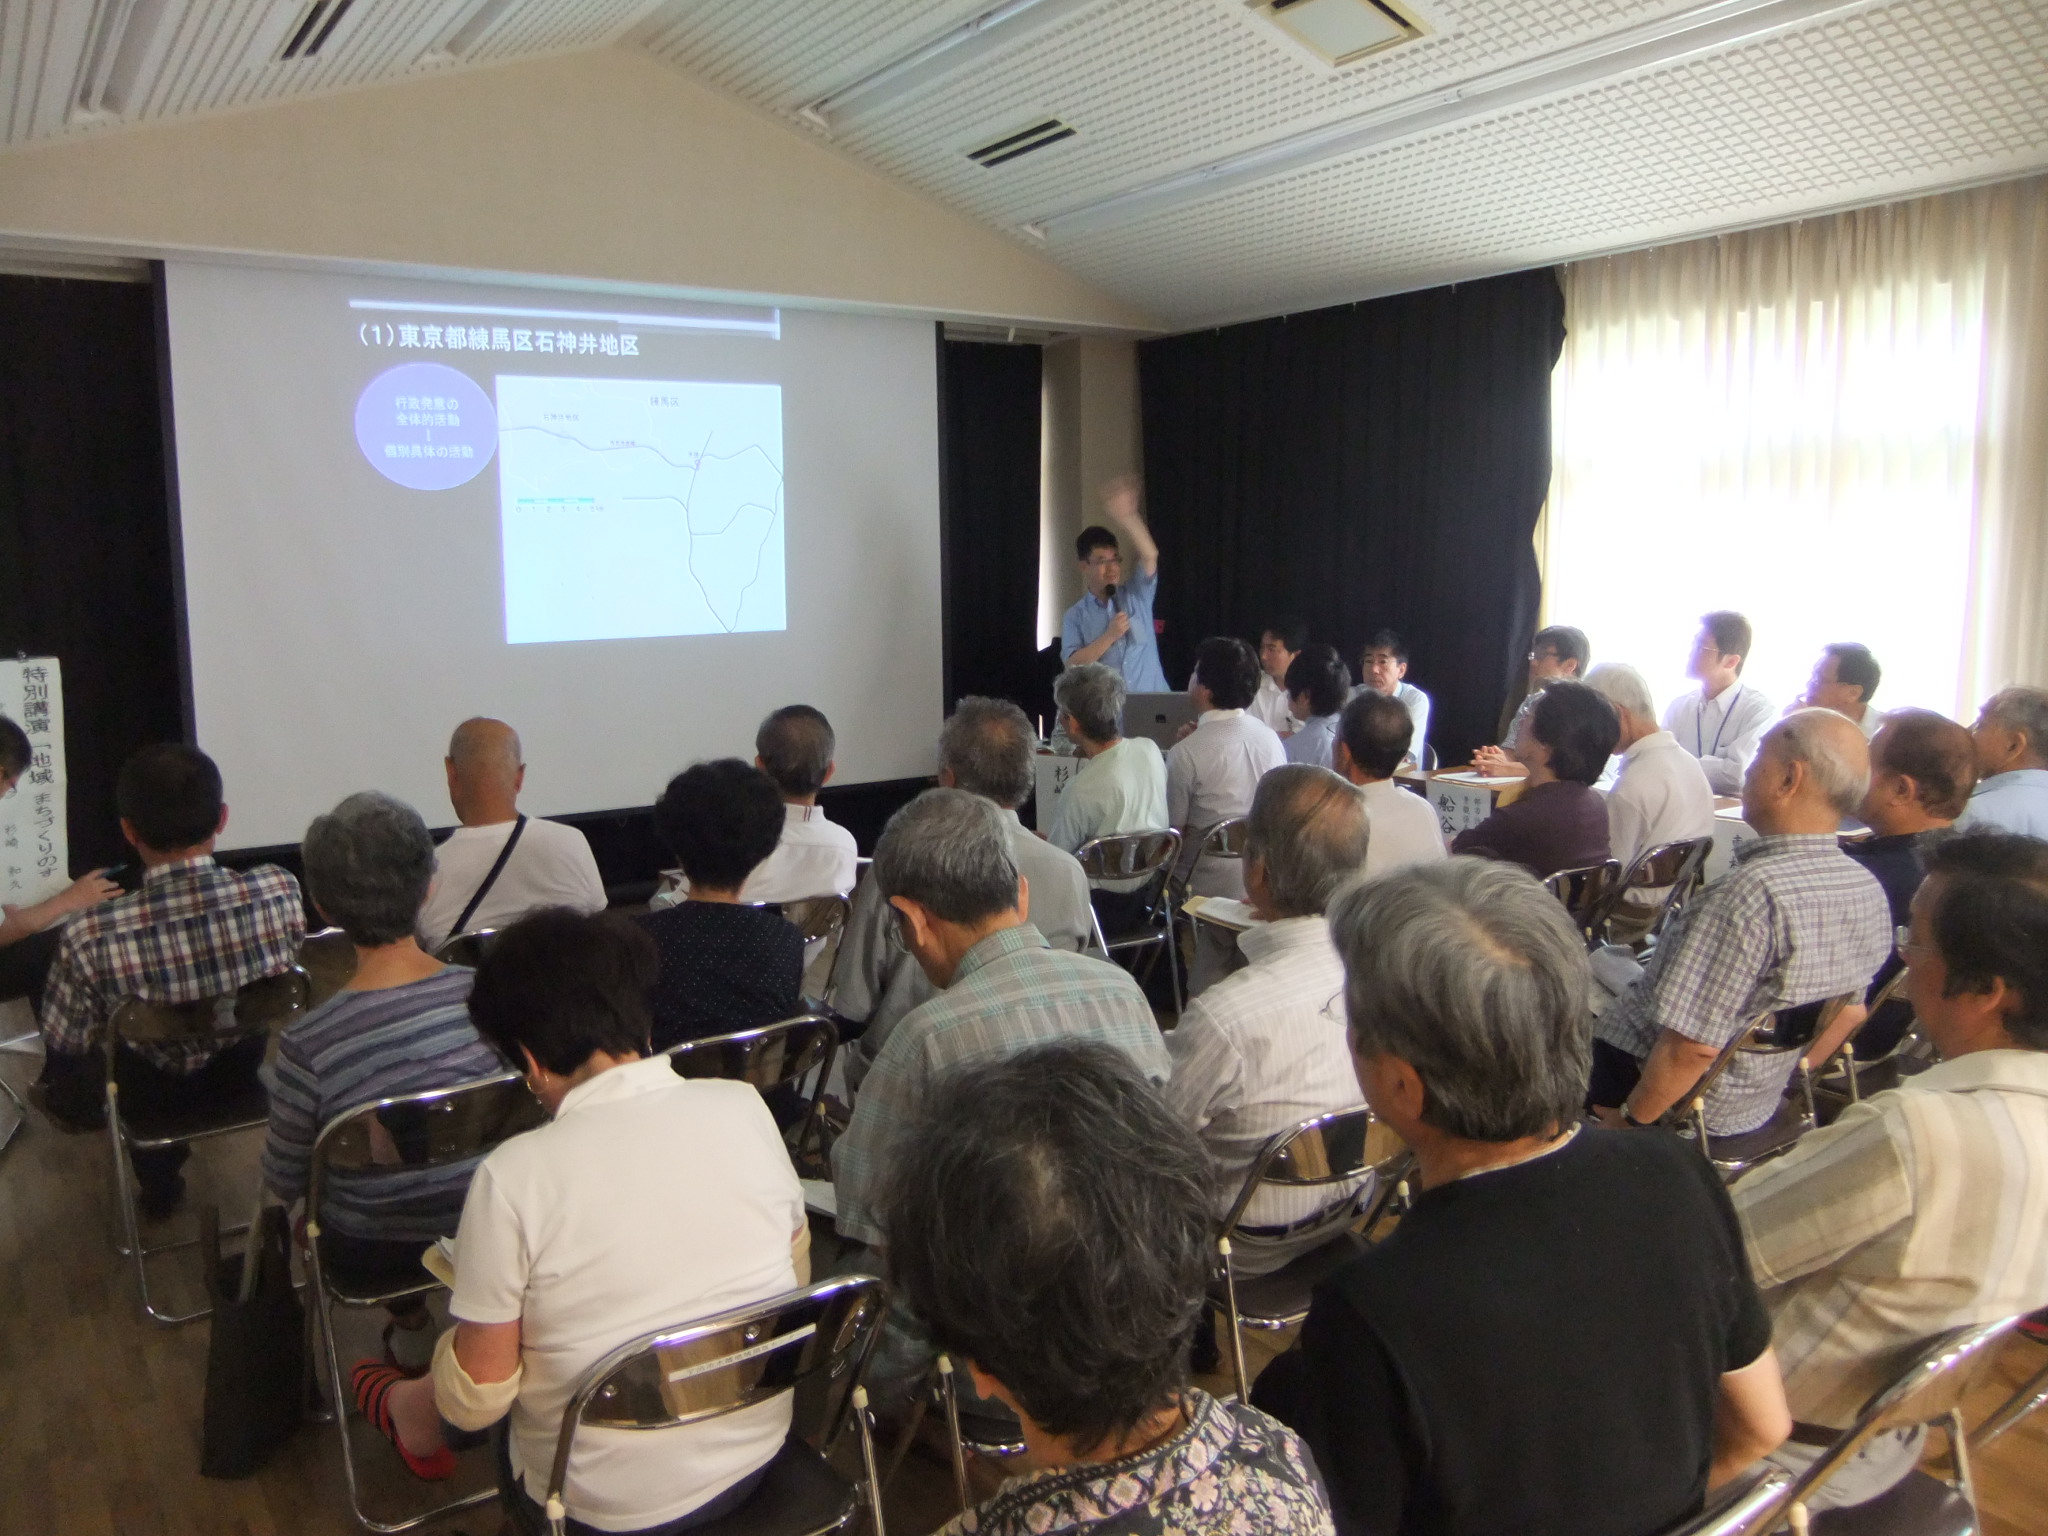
(2009, 802)
(1314, 741)
(1137, 654)
(1120, 789)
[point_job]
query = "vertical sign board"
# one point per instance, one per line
(35, 863)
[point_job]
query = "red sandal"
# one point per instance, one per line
(371, 1381)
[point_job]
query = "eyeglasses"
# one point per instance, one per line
(1902, 941)
(1103, 562)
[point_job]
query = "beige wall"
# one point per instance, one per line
(602, 166)
(1092, 416)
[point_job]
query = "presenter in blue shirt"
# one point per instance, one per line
(1112, 621)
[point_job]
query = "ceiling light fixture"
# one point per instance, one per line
(1712, 27)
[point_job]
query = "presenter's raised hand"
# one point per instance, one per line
(1121, 499)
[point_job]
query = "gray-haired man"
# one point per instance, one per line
(986, 749)
(945, 870)
(1263, 1049)
(1122, 783)
(2012, 765)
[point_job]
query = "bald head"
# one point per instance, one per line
(485, 772)
(1811, 770)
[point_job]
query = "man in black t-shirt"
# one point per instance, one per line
(1562, 1334)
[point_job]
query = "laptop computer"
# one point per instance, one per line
(1158, 716)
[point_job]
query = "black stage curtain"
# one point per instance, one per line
(1374, 464)
(85, 548)
(989, 424)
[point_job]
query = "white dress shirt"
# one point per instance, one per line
(1120, 789)
(1662, 796)
(1722, 732)
(551, 867)
(815, 857)
(1402, 828)
(1210, 777)
(1270, 705)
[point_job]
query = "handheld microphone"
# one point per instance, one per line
(1109, 596)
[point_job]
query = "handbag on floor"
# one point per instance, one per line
(255, 1359)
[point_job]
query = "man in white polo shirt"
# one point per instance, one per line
(1722, 723)
(477, 882)
(1373, 735)
(815, 857)
(1662, 795)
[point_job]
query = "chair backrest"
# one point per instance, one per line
(265, 1004)
(818, 918)
(771, 1056)
(1226, 839)
(1739, 1509)
(1332, 1148)
(429, 1129)
(1772, 1034)
(732, 1360)
(1674, 870)
(329, 958)
(466, 948)
(1587, 892)
(1129, 855)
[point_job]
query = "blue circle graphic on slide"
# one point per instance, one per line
(427, 426)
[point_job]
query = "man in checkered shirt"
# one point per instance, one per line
(193, 930)
(1795, 922)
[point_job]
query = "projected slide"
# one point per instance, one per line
(639, 507)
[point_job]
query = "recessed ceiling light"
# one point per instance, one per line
(1340, 31)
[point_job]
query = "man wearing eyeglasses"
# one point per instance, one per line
(1721, 723)
(1112, 621)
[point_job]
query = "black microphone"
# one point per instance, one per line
(1109, 595)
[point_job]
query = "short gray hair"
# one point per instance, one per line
(1471, 972)
(1834, 751)
(2024, 710)
(949, 850)
(987, 744)
(1623, 687)
(1308, 831)
(368, 864)
(1094, 695)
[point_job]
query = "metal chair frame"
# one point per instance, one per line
(22, 1043)
(769, 1056)
(1739, 1508)
(457, 1123)
(1136, 856)
(1588, 892)
(465, 948)
(314, 952)
(822, 920)
(1756, 1038)
(1930, 1390)
(1222, 840)
(1844, 1053)
(1676, 868)
(957, 1443)
(1296, 1158)
(2029, 1398)
(251, 1011)
(735, 1359)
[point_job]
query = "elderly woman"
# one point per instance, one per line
(649, 1200)
(1559, 821)
(1049, 1220)
(725, 965)
(401, 1025)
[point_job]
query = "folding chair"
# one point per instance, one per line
(771, 1057)
(329, 958)
(1587, 893)
(1843, 1055)
(1344, 1146)
(1930, 1390)
(1144, 861)
(2025, 1401)
(1738, 1509)
(259, 1008)
(1674, 872)
(1224, 840)
(960, 1443)
(820, 1336)
(465, 948)
(25, 1043)
(410, 1133)
(1788, 1032)
(822, 922)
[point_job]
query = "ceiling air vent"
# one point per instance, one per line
(1340, 31)
(315, 27)
(1049, 131)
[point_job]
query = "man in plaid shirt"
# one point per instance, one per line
(194, 930)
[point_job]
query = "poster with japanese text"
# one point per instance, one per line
(34, 861)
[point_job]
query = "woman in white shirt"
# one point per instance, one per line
(648, 1201)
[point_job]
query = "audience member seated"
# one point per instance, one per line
(1844, 679)
(947, 870)
(1121, 785)
(1560, 651)
(1559, 821)
(1212, 773)
(1662, 795)
(29, 934)
(2012, 765)
(194, 930)
(724, 965)
(986, 748)
(477, 885)
(1263, 1049)
(1922, 766)
(1049, 1221)
(814, 856)
(1279, 643)
(1920, 1209)
(1722, 723)
(1382, 666)
(400, 1025)
(1373, 735)
(1318, 683)
(1795, 921)
(1562, 1333)
(648, 1201)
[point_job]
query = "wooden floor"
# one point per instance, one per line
(99, 1410)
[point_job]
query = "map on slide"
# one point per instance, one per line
(639, 507)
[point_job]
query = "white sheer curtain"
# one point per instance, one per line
(1838, 427)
